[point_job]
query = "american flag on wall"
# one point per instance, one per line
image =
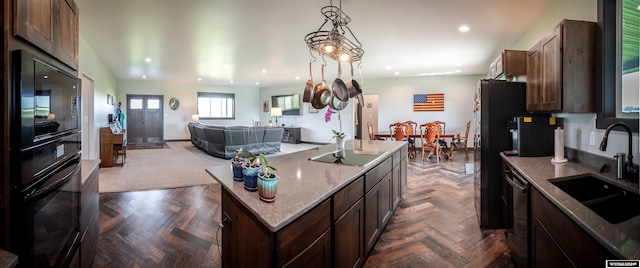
(428, 102)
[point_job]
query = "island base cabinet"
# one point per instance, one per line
(377, 204)
(317, 254)
(306, 242)
(349, 237)
(245, 241)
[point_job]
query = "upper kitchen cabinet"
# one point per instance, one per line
(51, 25)
(561, 69)
(510, 64)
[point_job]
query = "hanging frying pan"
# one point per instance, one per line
(308, 88)
(339, 88)
(321, 93)
(337, 104)
(353, 87)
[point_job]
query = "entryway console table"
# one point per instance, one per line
(291, 135)
(110, 144)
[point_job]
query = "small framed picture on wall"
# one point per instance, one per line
(265, 106)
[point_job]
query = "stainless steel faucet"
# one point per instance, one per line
(630, 172)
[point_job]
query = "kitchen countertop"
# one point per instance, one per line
(303, 183)
(622, 239)
(88, 167)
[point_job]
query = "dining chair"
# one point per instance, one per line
(412, 127)
(429, 136)
(443, 127)
(461, 141)
(398, 132)
(372, 132)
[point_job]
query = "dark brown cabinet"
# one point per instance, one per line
(51, 25)
(291, 135)
(304, 241)
(89, 206)
(348, 211)
(557, 241)
(561, 69)
(349, 237)
(377, 204)
(508, 64)
(399, 178)
(545, 251)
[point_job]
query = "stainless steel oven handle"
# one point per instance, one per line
(37, 193)
(511, 178)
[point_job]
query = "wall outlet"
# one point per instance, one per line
(592, 139)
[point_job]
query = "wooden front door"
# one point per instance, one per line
(144, 119)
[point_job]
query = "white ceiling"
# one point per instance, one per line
(235, 40)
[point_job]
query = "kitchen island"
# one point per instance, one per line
(581, 236)
(326, 214)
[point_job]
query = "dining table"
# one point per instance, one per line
(450, 136)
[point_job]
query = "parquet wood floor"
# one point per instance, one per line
(434, 226)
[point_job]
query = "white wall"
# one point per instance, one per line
(175, 121)
(578, 127)
(395, 104)
(104, 83)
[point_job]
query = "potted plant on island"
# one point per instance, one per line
(340, 138)
(338, 135)
(236, 164)
(267, 181)
(250, 170)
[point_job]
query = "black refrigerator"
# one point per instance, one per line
(496, 103)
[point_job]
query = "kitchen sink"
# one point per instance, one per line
(609, 201)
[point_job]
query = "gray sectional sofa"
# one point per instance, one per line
(223, 141)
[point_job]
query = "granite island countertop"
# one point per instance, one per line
(303, 183)
(622, 239)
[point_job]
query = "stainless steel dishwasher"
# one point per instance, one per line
(517, 237)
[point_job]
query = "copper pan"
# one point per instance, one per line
(308, 88)
(321, 93)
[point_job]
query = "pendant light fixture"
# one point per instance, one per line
(335, 40)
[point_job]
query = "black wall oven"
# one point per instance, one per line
(45, 99)
(45, 156)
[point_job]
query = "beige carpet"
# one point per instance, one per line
(180, 165)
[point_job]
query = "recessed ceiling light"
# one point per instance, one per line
(144, 76)
(389, 67)
(199, 79)
(147, 59)
(231, 81)
(396, 73)
(297, 77)
(457, 71)
(463, 28)
(257, 83)
(264, 71)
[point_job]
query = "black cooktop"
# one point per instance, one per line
(348, 157)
